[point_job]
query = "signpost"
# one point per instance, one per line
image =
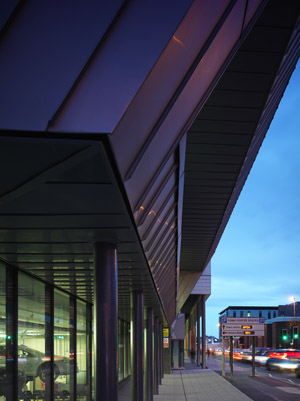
(238, 326)
(231, 356)
(242, 327)
(223, 357)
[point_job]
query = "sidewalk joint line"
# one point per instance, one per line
(183, 386)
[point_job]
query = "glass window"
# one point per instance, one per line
(121, 349)
(241, 313)
(31, 337)
(260, 314)
(248, 314)
(3, 380)
(274, 314)
(127, 350)
(269, 315)
(36, 340)
(93, 356)
(234, 314)
(61, 343)
(81, 351)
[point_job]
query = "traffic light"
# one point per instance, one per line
(284, 334)
(295, 332)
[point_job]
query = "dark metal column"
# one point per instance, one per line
(156, 357)
(203, 333)
(105, 322)
(137, 346)
(149, 357)
(161, 351)
(198, 334)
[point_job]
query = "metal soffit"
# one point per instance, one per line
(52, 211)
(223, 141)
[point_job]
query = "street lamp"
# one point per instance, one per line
(295, 335)
(293, 299)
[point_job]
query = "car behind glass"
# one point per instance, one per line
(34, 363)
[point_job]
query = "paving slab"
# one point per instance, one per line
(197, 385)
(192, 385)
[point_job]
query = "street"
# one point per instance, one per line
(265, 386)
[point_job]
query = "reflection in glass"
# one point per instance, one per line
(61, 343)
(29, 310)
(121, 349)
(81, 352)
(31, 337)
(93, 354)
(127, 370)
(3, 382)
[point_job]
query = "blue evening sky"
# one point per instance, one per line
(257, 261)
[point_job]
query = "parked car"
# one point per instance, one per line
(283, 359)
(34, 363)
(5, 383)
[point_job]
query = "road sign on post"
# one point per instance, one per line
(240, 327)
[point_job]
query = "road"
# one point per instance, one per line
(265, 386)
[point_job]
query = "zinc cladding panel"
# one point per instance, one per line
(42, 54)
(152, 213)
(267, 97)
(7, 10)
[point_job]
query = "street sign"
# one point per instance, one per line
(242, 333)
(238, 326)
(243, 320)
(243, 326)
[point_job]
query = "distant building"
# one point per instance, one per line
(282, 332)
(267, 312)
(288, 310)
(282, 325)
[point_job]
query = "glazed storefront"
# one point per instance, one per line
(50, 331)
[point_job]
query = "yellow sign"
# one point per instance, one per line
(246, 327)
(166, 332)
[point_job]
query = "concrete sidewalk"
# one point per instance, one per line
(192, 385)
